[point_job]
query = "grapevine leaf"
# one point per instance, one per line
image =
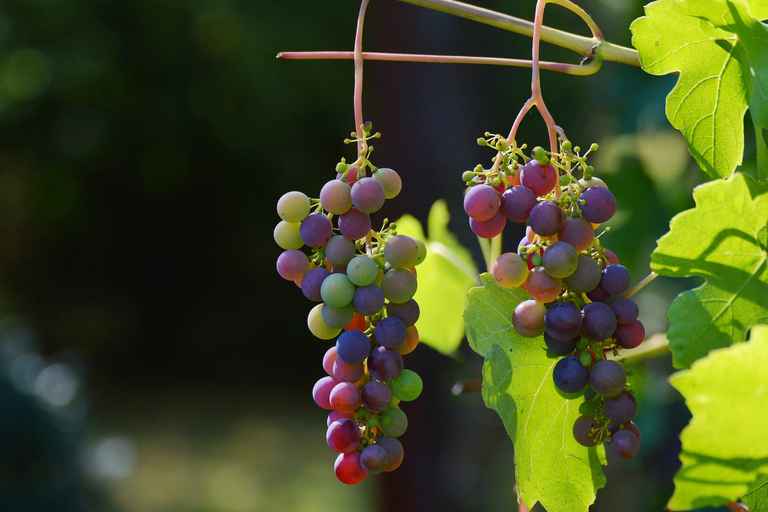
(722, 240)
(757, 498)
(724, 451)
(551, 467)
(445, 277)
(720, 49)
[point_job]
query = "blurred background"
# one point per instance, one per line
(151, 359)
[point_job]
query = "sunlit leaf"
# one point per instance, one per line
(720, 49)
(725, 453)
(723, 240)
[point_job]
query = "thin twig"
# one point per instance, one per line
(467, 386)
(639, 286)
(358, 100)
(570, 69)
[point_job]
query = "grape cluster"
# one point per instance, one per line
(363, 281)
(571, 278)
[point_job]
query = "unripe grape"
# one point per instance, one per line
(407, 386)
(293, 206)
(362, 270)
(390, 180)
(401, 251)
(393, 422)
(528, 318)
(335, 197)
(509, 270)
(287, 235)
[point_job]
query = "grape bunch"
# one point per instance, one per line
(363, 281)
(572, 279)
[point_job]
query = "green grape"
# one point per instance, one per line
(337, 290)
(362, 270)
(287, 235)
(293, 206)
(393, 422)
(407, 386)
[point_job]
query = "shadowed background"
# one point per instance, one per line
(152, 360)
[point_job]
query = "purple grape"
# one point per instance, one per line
(343, 436)
(292, 264)
(345, 397)
(346, 372)
(335, 197)
(385, 364)
(630, 335)
(608, 378)
(312, 281)
(321, 392)
(586, 277)
(368, 300)
(615, 278)
(563, 321)
(626, 311)
(599, 321)
(337, 415)
(517, 203)
(558, 347)
(488, 228)
(577, 232)
(560, 260)
(367, 195)
(599, 206)
(546, 218)
(598, 294)
(354, 224)
(541, 179)
(481, 202)
(394, 450)
(390, 332)
(624, 445)
(570, 375)
(407, 312)
(620, 408)
(376, 396)
(339, 251)
(353, 346)
(374, 459)
(316, 230)
(582, 430)
(528, 318)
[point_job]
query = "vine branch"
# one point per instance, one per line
(580, 44)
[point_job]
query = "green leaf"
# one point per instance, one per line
(725, 453)
(720, 49)
(757, 498)
(551, 467)
(444, 277)
(722, 240)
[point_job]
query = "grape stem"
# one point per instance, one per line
(569, 69)
(362, 148)
(736, 507)
(639, 286)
